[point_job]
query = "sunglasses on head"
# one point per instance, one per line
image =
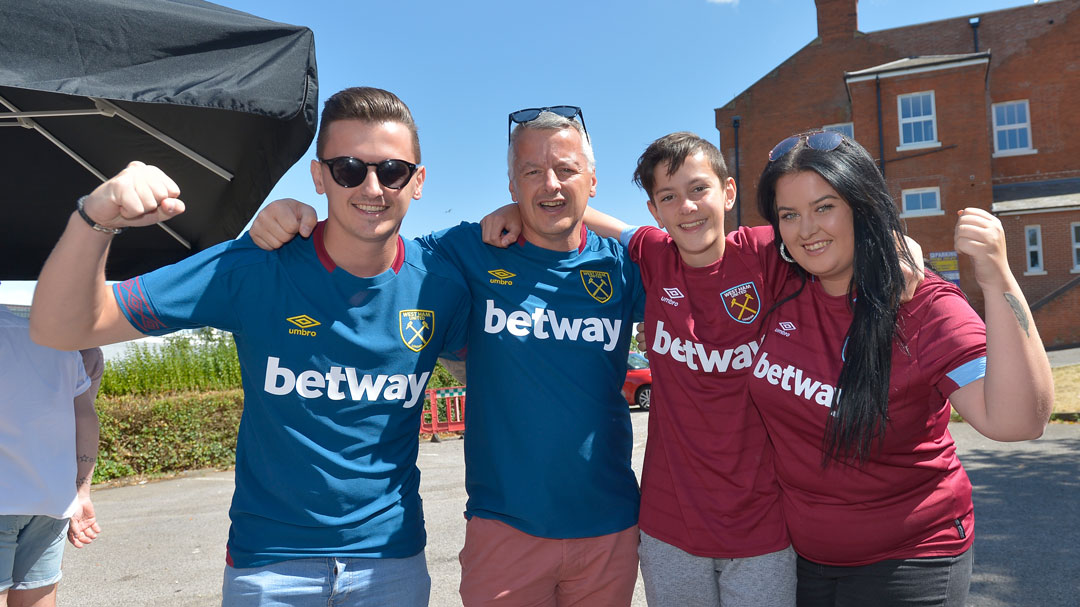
(822, 141)
(350, 172)
(532, 113)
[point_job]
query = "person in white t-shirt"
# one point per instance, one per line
(48, 448)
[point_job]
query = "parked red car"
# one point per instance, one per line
(637, 389)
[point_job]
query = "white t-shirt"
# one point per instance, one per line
(38, 386)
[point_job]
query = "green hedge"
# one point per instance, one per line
(167, 434)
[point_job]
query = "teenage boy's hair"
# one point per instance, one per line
(674, 149)
(370, 105)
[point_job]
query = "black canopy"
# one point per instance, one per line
(224, 102)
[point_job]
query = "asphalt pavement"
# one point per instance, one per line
(1064, 358)
(163, 543)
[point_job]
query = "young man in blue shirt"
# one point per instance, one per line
(337, 336)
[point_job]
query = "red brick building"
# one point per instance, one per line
(980, 110)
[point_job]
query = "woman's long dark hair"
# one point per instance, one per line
(860, 404)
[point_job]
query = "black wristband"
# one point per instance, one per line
(91, 222)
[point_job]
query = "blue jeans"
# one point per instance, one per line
(31, 548)
(330, 582)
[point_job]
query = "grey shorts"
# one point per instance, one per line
(31, 550)
(674, 577)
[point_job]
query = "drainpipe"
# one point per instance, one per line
(738, 187)
(974, 23)
(880, 127)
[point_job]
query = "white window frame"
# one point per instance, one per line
(1074, 233)
(901, 121)
(904, 212)
(1030, 149)
(847, 128)
(1031, 270)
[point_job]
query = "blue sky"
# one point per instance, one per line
(638, 68)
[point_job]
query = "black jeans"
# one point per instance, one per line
(931, 582)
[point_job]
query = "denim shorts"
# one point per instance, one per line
(333, 581)
(31, 549)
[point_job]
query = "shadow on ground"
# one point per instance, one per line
(1027, 540)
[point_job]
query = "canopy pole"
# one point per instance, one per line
(30, 123)
(50, 114)
(110, 109)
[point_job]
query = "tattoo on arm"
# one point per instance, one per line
(82, 480)
(1018, 310)
(87, 458)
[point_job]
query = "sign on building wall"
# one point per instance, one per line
(946, 264)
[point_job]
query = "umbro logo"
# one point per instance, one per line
(303, 323)
(671, 295)
(785, 328)
(502, 277)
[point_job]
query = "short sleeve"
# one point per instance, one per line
(448, 244)
(646, 240)
(94, 362)
(457, 337)
(645, 249)
(637, 286)
(82, 379)
(951, 346)
(457, 333)
(199, 291)
(775, 272)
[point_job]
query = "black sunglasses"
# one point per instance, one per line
(350, 172)
(532, 113)
(822, 141)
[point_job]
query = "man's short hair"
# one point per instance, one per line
(550, 122)
(370, 105)
(673, 150)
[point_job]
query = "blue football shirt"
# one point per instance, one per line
(334, 370)
(548, 436)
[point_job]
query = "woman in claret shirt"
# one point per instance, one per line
(854, 387)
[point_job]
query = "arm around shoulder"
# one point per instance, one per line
(281, 221)
(603, 224)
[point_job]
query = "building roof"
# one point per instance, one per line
(921, 63)
(1036, 196)
(1008, 30)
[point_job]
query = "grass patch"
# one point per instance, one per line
(1067, 389)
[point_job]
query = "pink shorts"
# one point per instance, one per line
(503, 566)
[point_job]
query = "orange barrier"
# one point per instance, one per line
(452, 402)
